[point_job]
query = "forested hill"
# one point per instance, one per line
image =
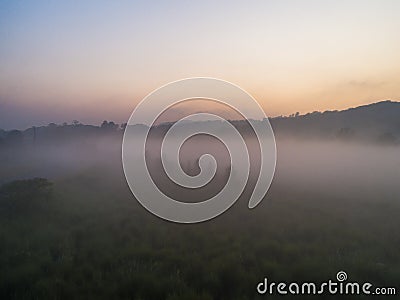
(378, 122)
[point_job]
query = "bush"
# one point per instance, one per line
(24, 195)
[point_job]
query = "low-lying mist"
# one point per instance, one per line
(334, 168)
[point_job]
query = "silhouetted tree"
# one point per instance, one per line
(109, 126)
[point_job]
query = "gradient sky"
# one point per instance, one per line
(95, 60)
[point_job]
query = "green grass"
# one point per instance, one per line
(89, 239)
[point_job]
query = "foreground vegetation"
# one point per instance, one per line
(85, 237)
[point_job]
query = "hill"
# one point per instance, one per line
(378, 121)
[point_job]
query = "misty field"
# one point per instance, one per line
(80, 234)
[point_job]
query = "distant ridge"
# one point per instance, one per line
(377, 122)
(374, 104)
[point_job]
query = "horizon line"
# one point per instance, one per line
(292, 115)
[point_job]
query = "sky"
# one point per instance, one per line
(95, 60)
